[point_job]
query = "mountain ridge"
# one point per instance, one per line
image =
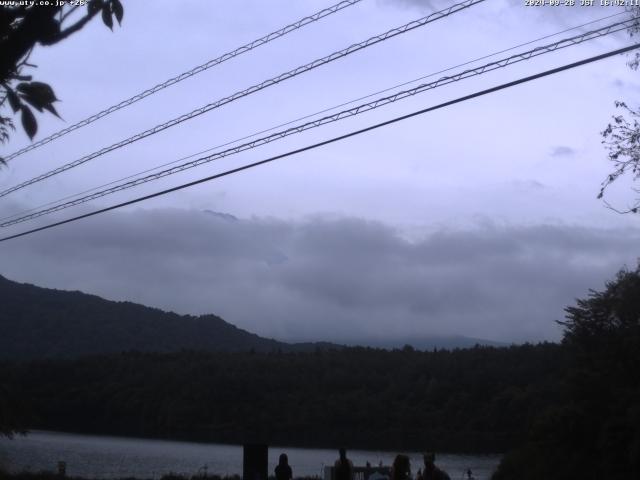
(37, 322)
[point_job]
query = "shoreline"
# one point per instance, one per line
(195, 441)
(102, 457)
(185, 439)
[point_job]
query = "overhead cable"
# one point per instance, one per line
(311, 115)
(357, 110)
(190, 73)
(329, 141)
(255, 88)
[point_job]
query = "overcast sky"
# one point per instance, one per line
(480, 219)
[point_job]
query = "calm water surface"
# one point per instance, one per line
(113, 457)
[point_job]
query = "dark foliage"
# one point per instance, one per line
(13, 413)
(593, 430)
(475, 400)
(22, 28)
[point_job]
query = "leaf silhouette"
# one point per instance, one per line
(106, 16)
(29, 122)
(14, 101)
(39, 91)
(50, 108)
(117, 9)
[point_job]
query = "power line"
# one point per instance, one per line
(128, 177)
(567, 42)
(255, 88)
(332, 118)
(332, 140)
(190, 73)
(254, 134)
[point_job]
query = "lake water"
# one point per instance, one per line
(114, 457)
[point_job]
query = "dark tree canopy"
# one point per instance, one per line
(592, 431)
(607, 315)
(472, 400)
(22, 28)
(13, 416)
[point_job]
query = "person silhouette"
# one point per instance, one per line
(430, 471)
(343, 467)
(401, 468)
(283, 469)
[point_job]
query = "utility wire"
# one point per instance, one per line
(190, 73)
(255, 88)
(332, 118)
(332, 140)
(270, 129)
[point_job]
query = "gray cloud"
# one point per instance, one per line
(324, 278)
(562, 151)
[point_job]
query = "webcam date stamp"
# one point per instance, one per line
(582, 3)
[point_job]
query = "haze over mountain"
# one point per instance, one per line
(39, 322)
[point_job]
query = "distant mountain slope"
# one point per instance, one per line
(39, 322)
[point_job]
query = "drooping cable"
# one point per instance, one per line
(255, 88)
(190, 73)
(305, 117)
(331, 140)
(567, 42)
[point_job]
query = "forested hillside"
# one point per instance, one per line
(39, 322)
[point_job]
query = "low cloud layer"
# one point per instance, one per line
(329, 278)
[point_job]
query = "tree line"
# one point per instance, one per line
(472, 400)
